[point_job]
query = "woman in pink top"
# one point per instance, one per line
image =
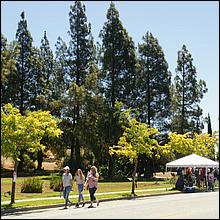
(92, 181)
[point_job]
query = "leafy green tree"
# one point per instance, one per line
(118, 69)
(188, 92)
(185, 144)
(9, 53)
(24, 132)
(138, 138)
(8, 56)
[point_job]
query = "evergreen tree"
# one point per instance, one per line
(78, 59)
(118, 70)
(154, 99)
(118, 60)
(24, 76)
(21, 93)
(188, 92)
(46, 78)
(9, 53)
(60, 82)
(209, 131)
(209, 125)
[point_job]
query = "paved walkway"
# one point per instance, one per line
(76, 196)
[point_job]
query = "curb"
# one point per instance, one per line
(31, 208)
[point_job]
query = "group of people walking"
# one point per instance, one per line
(90, 182)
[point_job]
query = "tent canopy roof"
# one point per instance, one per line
(193, 160)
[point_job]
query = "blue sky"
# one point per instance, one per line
(193, 23)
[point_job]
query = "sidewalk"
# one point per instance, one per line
(76, 196)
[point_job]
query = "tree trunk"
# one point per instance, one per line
(148, 171)
(77, 142)
(14, 182)
(77, 153)
(21, 164)
(134, 177)
(72, 148)
(182, 128)
(110, 167)
(39, 159)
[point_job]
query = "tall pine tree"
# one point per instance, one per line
(44, 79)
(21, 93)
(78, 60)
(24, 74)
(154, 99)
(9, 53)
(188, 92)
(118, 70)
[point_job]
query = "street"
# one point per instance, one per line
(177, 206)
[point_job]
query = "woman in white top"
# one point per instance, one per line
(80, 180)
(67, 185)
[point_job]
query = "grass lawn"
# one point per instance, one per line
(100, 197)
(47, 192)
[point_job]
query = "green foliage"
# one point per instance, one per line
(89, 87)
(9, 54)
(185, 144)
(187, 94)
(44, 75)
(32, 185)
(137, 139)
(24, 63)
(55, 182)
(78, 62)
(8, 58)
(118, 61)
(153, 83)
(25, 131)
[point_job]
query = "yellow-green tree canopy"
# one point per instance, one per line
(136, 139)
(185, 144)
(25, 131)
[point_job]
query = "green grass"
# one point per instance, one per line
(47, 192)
(100, 197)
(103, 187)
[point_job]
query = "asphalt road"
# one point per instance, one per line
(178, 206)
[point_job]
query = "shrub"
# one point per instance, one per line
(55, 182)
(32, 185)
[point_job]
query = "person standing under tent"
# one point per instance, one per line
(211, 180)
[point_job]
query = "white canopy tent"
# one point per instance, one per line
(193, 160)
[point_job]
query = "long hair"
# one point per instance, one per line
(94, 171)
(80, 174)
